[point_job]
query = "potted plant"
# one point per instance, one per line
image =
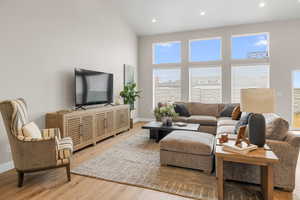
(165, 113)
(130, 95)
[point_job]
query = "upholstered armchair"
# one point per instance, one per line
(33, 154)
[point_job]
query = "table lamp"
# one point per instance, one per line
(257, 101)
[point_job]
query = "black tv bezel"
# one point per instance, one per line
(111, 76)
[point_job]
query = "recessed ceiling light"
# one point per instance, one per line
(154, 20)
(262, 4)
(202, 13)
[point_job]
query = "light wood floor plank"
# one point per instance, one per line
(53, 184)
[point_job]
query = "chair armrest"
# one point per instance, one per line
(293, 138)
(36, 153)
(51, 132)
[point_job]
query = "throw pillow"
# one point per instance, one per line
(182, 110)
(243, 122)
(277, 129)
(227, 111)
(236, 113)
(31, 130)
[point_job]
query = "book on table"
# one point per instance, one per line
(242, 149)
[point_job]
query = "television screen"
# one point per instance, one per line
(93, 87)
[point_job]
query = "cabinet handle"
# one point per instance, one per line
(105, 123)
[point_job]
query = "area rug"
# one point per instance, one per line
(135, 161)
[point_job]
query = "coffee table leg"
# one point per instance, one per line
(220, 178)
(152, 134)
(267, 181)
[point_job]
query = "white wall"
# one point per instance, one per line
(284, 52)
(42, 41)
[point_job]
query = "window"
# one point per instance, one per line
(166, 85)
(205, 50)
(250, 46)
(206, 84)
(296, 99)
(256, 76)
(169, 52)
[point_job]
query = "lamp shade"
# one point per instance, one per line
(258, 100)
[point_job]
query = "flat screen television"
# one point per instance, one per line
(92, 87)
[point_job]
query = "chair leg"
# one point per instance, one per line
(20, 178)
(68, 172)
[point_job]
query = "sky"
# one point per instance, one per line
(210, 50)
(206, 50)
(296, 79)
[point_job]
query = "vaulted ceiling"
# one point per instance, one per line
(181, 15)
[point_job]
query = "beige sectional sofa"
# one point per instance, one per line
(285, 146)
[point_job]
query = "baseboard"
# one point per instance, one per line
(6, 166)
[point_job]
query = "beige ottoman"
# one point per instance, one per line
(188, 149)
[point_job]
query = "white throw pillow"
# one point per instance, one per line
(32, 130)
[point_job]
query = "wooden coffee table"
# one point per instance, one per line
(157, 131)
(263, 157)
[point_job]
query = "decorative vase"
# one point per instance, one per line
(166, 121)
(257, 129)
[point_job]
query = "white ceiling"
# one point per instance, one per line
(181, 15)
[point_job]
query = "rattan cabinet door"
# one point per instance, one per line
(73, 128)
(87, 126)
(110, 123)
(100, 124)
(122, 117)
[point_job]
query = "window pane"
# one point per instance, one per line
(249, 47)
(243, 77)
(167, 85)
(206, 84)
(296, 99)
(167, 53)
(205, 50)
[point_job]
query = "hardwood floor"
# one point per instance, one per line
(53, 184)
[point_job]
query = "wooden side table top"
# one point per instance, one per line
(259, 156)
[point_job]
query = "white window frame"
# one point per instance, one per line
(199, 67)
(250, 34)
(201, 39)
(153, 52)
(247, 65)
(153, 81)
(292, 89)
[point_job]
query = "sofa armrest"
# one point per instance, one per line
(293, 138)
(287, 153)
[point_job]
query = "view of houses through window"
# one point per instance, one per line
(242, 77)
(251, 69)
(296, 99)
(206, 84)
(166, 85)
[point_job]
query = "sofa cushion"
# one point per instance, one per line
(227, 110)
(225, 129)
(203, 120)
(203, 109)
(236, 113)
(276, 126)
(180, 119)
(243, 122)
(181, 110)
(189, 142)
(226, 121)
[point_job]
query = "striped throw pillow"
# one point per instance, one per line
(19, 117)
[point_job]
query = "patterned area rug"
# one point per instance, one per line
(135, 161)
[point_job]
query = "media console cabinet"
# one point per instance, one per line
(89, 126)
